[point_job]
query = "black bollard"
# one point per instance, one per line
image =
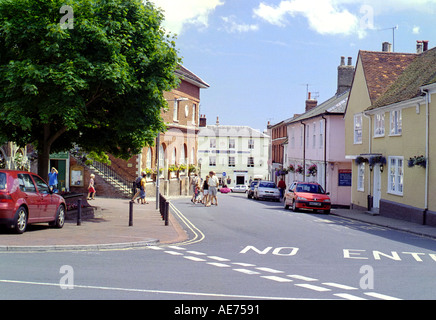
(131, 213)
(79, 212)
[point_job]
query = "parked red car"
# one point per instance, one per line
(307, 195)
(25, 198)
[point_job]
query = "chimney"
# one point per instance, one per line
(418, 46)
(202, 120)
(310, 103)
(217, 121)
(345, 75)
(425, 45)
(386, 47)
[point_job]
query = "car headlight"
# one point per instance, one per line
(301, 198)
(327, 200)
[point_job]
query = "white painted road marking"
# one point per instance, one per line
(217, 264)
(246, 271)
(194, 258)
(380, 296)
(340, 286)
(298, 277)
(348, 296)
(312, 287)
(278, 279)
(269, 270)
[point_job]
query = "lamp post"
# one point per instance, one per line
(157, 155)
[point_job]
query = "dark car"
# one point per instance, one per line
(250, 190)
(307, 195)
(25, 198)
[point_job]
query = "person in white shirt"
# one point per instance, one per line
(213, 187)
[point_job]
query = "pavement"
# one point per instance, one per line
(110, 230)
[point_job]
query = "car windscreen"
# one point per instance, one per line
(310, 188)
(2, 180)
(267, 185)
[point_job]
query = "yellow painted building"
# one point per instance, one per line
(388, 126)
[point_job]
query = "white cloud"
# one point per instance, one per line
(233, 27)
(337, 16)
(416, 29)
(179, 13)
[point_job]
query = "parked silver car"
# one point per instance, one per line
(266, 190)
(240, 188)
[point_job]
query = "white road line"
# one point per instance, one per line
(154, 248)
(194, 258)
(380, 296)
(242, 264)
(269, 270)
(278, 279)
(217, 264)
(312, 287)
(298, 277)
(246, 271)
(338, 285)
(218, 258)
(182, 293)
(348, 296)
(176, 248)
(197, 253)
(174, 253)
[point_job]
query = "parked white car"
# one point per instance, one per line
(266, 190)
(240, 188)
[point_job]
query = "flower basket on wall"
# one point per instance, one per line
(291, 168)
(312, 170)
(418, 161)
(299, 169)
(360, 160)
(377, 160)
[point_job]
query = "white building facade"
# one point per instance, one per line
(237, 154)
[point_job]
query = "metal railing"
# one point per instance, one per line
(164, 208)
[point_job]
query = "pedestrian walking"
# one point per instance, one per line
(91, 187)
(53, 179)
(213, 187)
(142, 188)
(194, 182)
(206, 191)
(282, 187)
(137, 187)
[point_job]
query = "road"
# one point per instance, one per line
(241, 249)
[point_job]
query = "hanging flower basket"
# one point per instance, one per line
(418, 161)
(291, 168)
(299, 169)
(360, 160)
(377, 160)
(312, 170)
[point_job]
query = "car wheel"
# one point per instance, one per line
(285, 205)
(60, 217)
(327, 211)
(20, 220)
(294, 206)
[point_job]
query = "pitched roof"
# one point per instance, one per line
(421, 71)
(381, 69)
(335, 104)
(230, 131)
(189, 76)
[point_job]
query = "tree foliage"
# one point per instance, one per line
(99, 85)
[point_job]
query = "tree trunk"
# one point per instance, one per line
(44, 150)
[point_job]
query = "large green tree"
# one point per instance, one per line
(91, 74)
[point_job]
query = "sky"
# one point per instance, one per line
(260, 57)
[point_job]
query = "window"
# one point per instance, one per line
(231, 143)
(321, 133)
(231, 161)
(314, 136)
(42, 186)
(250, 144)
(301, 136)
(396, 122)
(307, 136)
(395, 183)
(194, 107)
(148, 159)
(213, 143)
(212, 161)
(379, 125)
(26, 183)
(176, 111)
(358, 129)
(361, 177)
(250, 162)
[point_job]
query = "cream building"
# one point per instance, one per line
(237, 154)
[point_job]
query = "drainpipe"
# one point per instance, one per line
(369, 152)
(426, 151)
(325, 153)
(304, 151)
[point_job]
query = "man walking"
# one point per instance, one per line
(213, 187)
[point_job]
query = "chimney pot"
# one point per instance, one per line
(425, 45)
(342, 61)
(350, 60)
(386, 47)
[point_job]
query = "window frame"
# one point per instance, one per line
(395, 171)
(356, 138)
(396, 122)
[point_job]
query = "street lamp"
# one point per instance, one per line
(157, 154)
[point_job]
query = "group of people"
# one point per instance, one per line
(205, 191)
(140, 188)
(53, 183)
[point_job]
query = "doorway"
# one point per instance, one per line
(377, 186)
